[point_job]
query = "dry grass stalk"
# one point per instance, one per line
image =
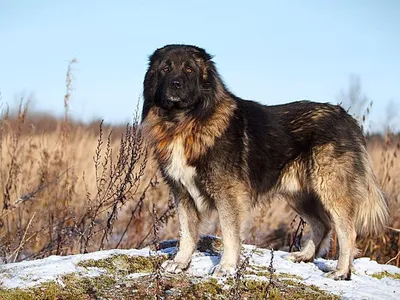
(271, 271)
(95, 187)
(236, 289)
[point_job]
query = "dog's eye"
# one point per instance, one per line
(188, 70)
(166, 69)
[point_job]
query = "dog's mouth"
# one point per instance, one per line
(174, 98)
(177, 99)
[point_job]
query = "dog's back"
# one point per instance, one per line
(314, 154)
(218, 151)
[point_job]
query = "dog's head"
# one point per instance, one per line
(179, 78)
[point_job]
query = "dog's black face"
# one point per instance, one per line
(179, 77)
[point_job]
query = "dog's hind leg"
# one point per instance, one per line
(309, 207)
(346, 233)
(336, 180)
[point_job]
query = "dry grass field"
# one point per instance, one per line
(69, 187)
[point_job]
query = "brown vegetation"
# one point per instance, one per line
(69, 187)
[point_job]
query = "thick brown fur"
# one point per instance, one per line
(197, 137)
(217, 151)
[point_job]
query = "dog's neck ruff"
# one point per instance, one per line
(195, 137)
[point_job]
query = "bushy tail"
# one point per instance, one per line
(373, 212)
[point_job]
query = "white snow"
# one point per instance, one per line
(27, 274)
(362, 286)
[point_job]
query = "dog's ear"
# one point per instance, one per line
(203, 54)
(159, 53)
(156, 56)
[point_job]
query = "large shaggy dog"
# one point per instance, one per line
(217, 151)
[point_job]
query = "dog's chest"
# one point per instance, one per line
(178, 169)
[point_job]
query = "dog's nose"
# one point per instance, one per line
(176, 84)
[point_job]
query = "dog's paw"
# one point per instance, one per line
(223, 270)
(174, 267)
(339, 275)
(290, 257)
(298, 257)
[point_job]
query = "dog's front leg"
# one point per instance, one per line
(188, 221)
(233, 210)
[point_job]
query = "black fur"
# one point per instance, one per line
(219, 150)
(194, 92)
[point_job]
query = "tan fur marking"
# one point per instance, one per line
(292, 177)
(306, 120)
(197, 136)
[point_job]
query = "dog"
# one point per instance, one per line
(218, 151)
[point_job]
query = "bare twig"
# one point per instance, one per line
(136, 209)
(22, 242)
(31, 195)
(394, 258)
(156, 261)
(163, 219)
(394, 229)
(297, 235)
(271, 271)
(236, 290)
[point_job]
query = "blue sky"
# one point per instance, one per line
(272, 52)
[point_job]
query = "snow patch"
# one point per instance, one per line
(27, 274)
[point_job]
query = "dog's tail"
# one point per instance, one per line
(372, 214)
